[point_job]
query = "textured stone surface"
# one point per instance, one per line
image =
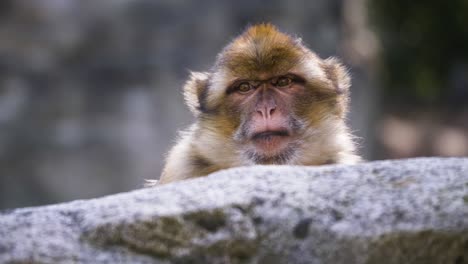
(402, 211)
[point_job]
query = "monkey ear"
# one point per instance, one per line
(337, 74)
(195, 91)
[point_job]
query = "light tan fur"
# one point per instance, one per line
(209, 144)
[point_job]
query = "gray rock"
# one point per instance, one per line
(401, 211)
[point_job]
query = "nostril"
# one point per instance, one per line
(272, 110)
(266, 111)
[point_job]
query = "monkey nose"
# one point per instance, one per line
(266, 111)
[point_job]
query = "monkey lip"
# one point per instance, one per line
(266, 135)
(270, 142)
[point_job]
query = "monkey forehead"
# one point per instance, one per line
(261, 48)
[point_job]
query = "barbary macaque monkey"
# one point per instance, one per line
(267, 100)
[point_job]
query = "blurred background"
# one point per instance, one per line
(90, 91)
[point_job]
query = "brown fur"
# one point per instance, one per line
(262, 52)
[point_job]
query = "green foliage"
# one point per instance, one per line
(423, 42)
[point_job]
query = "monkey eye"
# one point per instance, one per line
(283, 81)
(244, 87)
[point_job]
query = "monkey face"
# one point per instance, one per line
(268, 130)
(268, 94)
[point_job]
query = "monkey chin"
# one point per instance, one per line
(271, 147)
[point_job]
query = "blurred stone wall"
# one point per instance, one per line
(90, 91)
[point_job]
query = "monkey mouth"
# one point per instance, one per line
(270, 143)
(272, 147)
(268, 135)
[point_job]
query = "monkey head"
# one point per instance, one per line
(270, 100)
